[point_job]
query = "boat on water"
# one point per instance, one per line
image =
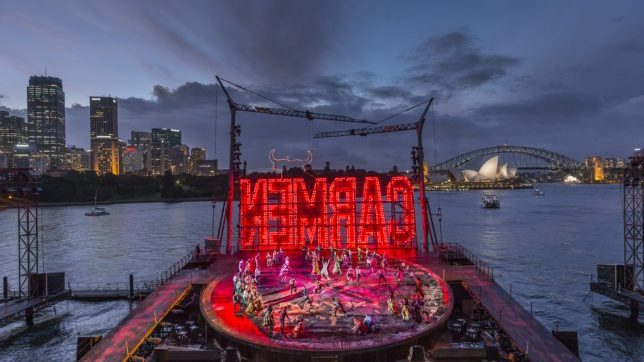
(97, 211)
(537, 192)
(490, 201)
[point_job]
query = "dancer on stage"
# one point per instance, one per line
(337, 270)
(268, 320)
(337, 306)
(324, 272)
(283, 317)
(298, 330)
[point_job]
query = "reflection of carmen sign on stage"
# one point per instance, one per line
(286, 213)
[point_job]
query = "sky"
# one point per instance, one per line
(565, 76)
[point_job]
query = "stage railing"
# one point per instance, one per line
(481, 265)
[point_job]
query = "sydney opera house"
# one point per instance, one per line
(491, 175)
(489, 171)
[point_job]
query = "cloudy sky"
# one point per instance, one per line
(566, 76)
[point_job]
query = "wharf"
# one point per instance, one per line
(138, 324)
(530, 336)
(11, 310)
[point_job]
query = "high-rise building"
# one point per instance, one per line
(79, 159)
(143, 142)
(106, 153)
(140, 139)
(21, 155)
(595, 166)
(162, 140)
(13, 131)
(133, 160)
(196, 154)
(46, 118)
(179, 157)
(206, 168)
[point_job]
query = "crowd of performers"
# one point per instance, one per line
(248, 300)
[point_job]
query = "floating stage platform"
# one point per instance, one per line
(325, 334)
(456, 288)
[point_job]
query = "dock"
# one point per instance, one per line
(18, 309)
(530, 336)
(125, 338)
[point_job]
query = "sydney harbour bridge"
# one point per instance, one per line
(524, 158)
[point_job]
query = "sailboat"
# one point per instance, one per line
(97, 211)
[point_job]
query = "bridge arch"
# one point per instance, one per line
(556, 161)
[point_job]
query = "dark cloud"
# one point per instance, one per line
(453, 62)
(545, 107)
(284, 40)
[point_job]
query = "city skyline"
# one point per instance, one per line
(491, 86)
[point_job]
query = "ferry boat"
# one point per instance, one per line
(490, 201)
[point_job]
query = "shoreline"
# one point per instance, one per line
(114, 202)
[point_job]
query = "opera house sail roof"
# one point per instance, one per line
(490, 171)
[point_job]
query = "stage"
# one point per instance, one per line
(382, 286)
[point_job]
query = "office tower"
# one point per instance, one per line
(13, 131)
(46, 118)
(106, 154)
(162, 140)
(196, 154)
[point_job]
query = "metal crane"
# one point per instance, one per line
(418, 156)
(285, 111)
(235, 153)
(370, 130)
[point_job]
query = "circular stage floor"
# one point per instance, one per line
(324, 332)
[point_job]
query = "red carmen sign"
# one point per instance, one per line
(290, 213)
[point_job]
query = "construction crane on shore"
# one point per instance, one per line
(417, 155)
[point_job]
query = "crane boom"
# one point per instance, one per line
(285, 111)
(295, 113)
(369, 130)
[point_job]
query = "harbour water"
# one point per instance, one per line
(543, 249)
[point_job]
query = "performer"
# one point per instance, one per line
(291, 283)
(304, 300)
(315, 270)
(358, 275)
(350, 275)
(381, 276)
(337, 306)
(283, 317)
(419, 285)
(391, 305)
(241, 266)
(359, 327)
(283, 274)
(404, 310)
(318, 286)
(324, 272)
(257, 273)
(268, 320)
(337, 270)
(298, 330)
(269, 259)
(368, 322)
